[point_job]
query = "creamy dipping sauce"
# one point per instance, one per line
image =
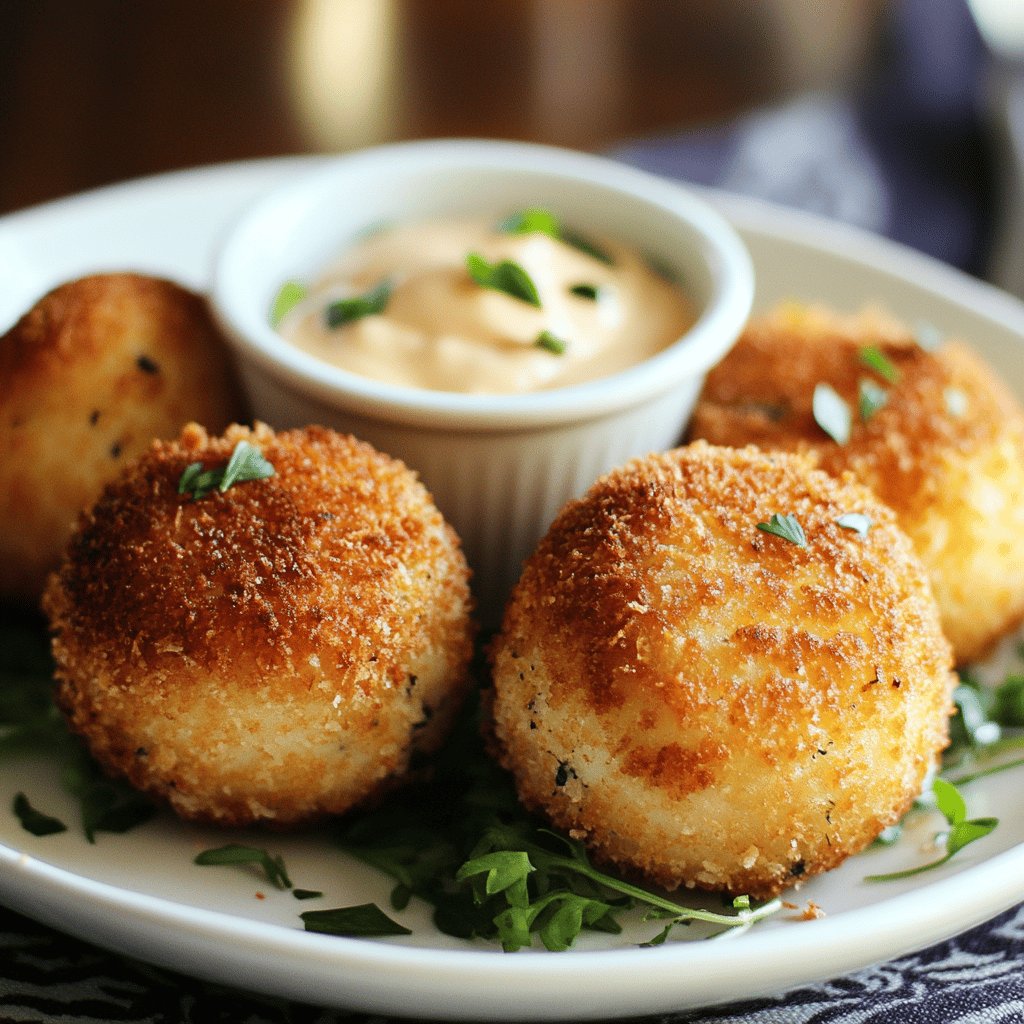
(434, 305)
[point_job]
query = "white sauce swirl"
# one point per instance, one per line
(443, 331)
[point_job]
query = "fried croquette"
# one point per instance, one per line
(270, 653)
(706, 703)
(88, 377)
(934, 434)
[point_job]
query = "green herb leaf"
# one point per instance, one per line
(786, 527)
(586, 291)
(246, 463)
(962, 831)
(235, 853)
(107, 805)
(531, 221)
(307, 894)
(875, 359)
(364, 921)
(831, 413)
(34, 821)
(506, 276)
(871, 398)
(856, 521)
(345, 311)
(290, 294)
(551, 343)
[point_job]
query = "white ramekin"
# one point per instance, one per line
(499, 466)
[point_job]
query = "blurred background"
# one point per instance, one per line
(865, 110)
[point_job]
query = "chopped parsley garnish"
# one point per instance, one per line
(106, 805)
(34, 821)
(870, 398)
(962, 830)
(856, 521)
(505, 276)
(585, 291)
(307, 894)
(551, 343)
(875, 359)
(345, 311)
(831, 413)
(530, 221)
(290, 294)
(246, 463)
(786, 527)
(362, 922)
(536, 219)
(236, 853)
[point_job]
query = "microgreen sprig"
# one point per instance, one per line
(962, 831)
(246, 463)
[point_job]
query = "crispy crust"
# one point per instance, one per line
(946, 451)
(271, 653)
(711, 705)
(88, 377)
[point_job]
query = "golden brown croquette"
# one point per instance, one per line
(942, 444)
(707, 703)
(88, 377)
(269, 653)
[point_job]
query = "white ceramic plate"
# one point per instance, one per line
(141, 894)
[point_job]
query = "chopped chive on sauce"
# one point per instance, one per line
(787, 527)
(345, 311)
(551, 343)
(831, 413)
(290, 294)
(505, 276)
(34, 821)
(536, 219)
(586, 291)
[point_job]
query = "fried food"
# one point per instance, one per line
(270, 653)
(944, 449)
(706, 703)
(88, 377)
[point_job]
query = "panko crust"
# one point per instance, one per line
(710, 705)
(88, 377)
(271, 653)
(946, 451)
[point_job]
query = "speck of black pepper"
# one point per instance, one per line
(896, 684)
(147, 365)
(94, 417)
(533, 724)
(115, 450)
(797, 869)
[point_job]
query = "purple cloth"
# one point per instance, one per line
(905, 155)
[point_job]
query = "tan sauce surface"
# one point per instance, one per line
(442, 331)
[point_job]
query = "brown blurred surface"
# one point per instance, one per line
(98, 91)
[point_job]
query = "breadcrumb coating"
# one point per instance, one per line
(945, 451)
(710, 705)
(267, 654)
(88, 377)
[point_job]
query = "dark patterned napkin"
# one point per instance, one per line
(49, 978)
